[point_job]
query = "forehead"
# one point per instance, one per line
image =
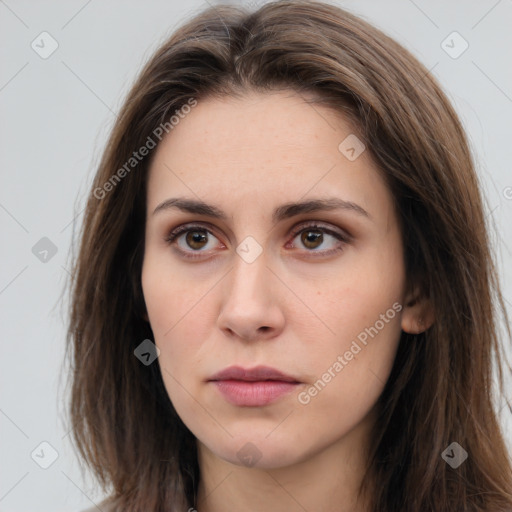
(260, 149)
(257, 126)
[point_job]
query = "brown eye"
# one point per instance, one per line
(319, 240)
(312, 239)
(196, 239)
(192, 241)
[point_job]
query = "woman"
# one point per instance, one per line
(285, 297)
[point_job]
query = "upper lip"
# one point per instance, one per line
(258, 373)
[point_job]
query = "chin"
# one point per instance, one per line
(259, 452)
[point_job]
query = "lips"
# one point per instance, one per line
(255, 387)
(260, 373)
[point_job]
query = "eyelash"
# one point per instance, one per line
(174, 234)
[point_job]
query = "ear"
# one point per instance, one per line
(418, 314)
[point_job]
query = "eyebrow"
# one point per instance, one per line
(282, 212)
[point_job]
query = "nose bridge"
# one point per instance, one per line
(249, 308)
(249, 279)
(250, 272)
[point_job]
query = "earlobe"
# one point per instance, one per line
(418, 314)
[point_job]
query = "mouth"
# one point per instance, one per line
(254, 387)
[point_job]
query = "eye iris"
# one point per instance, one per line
(311, 237)
(195, 237)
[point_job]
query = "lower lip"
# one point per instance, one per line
(253, 394)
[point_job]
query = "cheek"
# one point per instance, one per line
(356, 296)
(171, 300)
(363, 310)
(178, 319)
(351, 375)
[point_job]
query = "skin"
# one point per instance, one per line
(293, 308)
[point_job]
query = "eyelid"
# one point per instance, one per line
(342, 235)
(328, 228)
(190, 226)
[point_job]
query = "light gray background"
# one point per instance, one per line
(55, 116)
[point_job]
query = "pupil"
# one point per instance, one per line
(195, 237)
(311, 237)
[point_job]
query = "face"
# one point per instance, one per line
(313, 292)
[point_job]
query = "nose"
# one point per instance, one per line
(251, 309)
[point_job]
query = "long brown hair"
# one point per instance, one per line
(441, 388)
